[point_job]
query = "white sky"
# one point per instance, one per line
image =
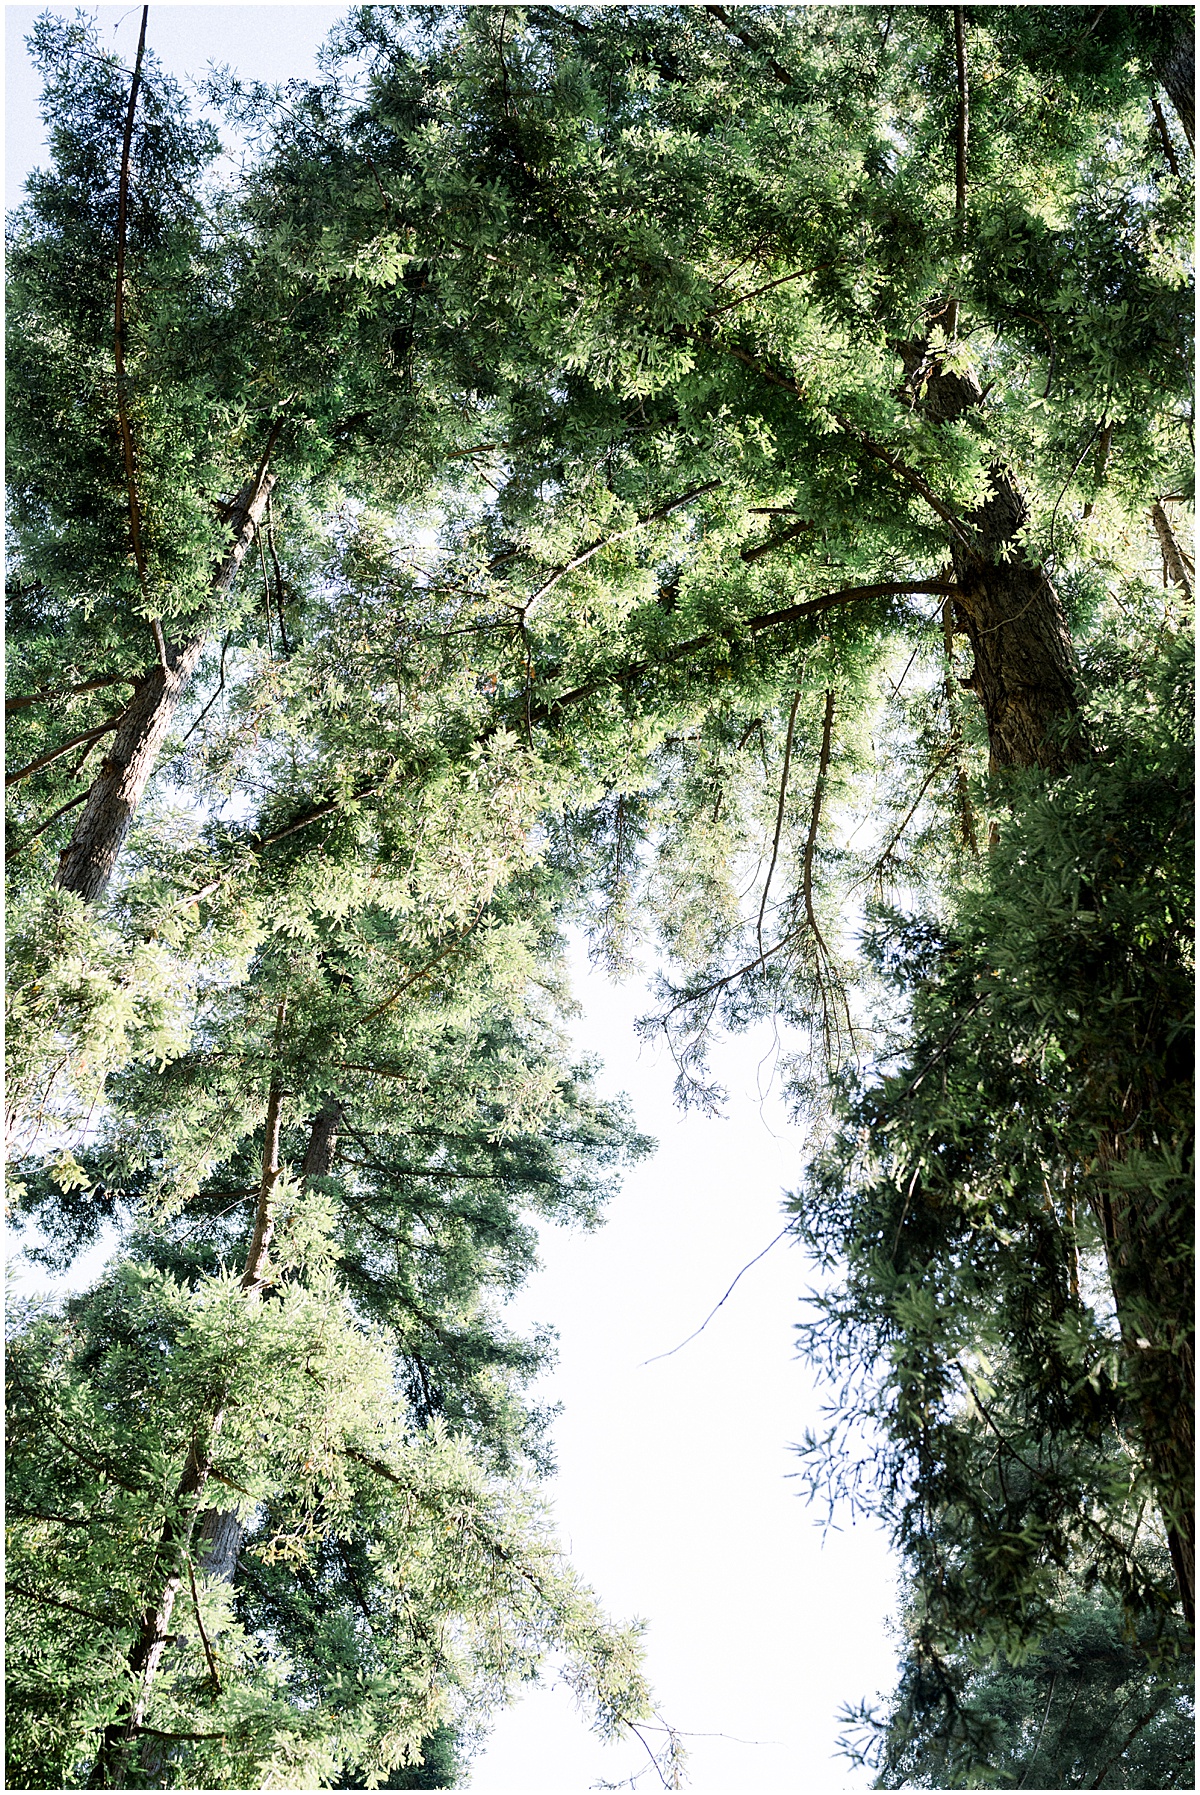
(673, 1492)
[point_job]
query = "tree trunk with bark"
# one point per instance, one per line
(215, 1539)
(1024, 677)
(86, 863)
(1024, 674)
(119, 1742)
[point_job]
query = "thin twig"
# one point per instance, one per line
(810, 845)
(724, 1299)
(220, 688)
(208, 1651)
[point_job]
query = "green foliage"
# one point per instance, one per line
(990, 1401)
(388, 1587)
(1082, 1711)
(600, 356)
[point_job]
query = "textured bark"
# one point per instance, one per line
(322, 1142)
(219, 1539)
(1172, 554)
(86, 863)
(1024, 674)
(1176, 69)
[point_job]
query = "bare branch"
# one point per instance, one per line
(724, 1299)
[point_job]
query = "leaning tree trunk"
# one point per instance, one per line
(215, 1538)
(1024, 677)
(86, 863)
(119, 1740)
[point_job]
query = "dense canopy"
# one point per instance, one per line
(719, 478)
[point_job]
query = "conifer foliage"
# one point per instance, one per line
(700, 474)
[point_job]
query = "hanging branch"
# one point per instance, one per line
(783, 785)
(135, 521)
(810, 846)
(220, 688)
(670, 1354)
(208, 1651)
(278, 577)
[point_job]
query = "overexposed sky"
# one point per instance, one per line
(674, 1491)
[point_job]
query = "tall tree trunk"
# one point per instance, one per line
(217, 1531)
(117, 1746)
(1024, 677)
(1024, 674)
(86, 863)
(1175, 67)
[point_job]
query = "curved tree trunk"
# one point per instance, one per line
(86, 863)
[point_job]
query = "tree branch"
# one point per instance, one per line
(783, 785)
(44, 760)
(751, 43)
(602, 542)
(48, 697)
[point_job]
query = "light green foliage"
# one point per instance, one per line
(601, 358)
(353, 1517)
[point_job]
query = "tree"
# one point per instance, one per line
(1083, 1711)
(917, 248)
(618, 382)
